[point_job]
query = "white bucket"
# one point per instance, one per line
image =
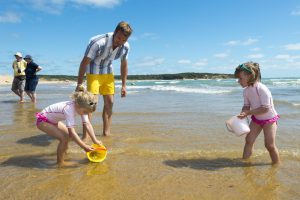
(238, 126)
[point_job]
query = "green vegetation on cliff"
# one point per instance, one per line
(179, 76)
(150, 76)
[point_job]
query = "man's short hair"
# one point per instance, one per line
(125, 28)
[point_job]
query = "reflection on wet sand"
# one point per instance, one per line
(210, 164)
(24, 115)
(263, 181)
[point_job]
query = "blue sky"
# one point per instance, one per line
(170, 36)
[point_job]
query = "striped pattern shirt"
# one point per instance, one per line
(101, 54)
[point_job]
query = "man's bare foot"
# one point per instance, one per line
(22, 101)
(107, 134)
(276, 164)
(66, 164)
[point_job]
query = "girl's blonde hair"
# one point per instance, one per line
(86, 100)
(250, 68)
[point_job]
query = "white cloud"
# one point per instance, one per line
(151, 36)
(287, 57)
(201, 63)
(48, 6)
(247, 42)
(99, 3)
(283, 56)
(184, 61)
(296, 12)
(145, 36)
(232, 43)
(220, 68)
(221, 55)
(255, 56)
(296, 57)
(10, 17)
(133, 38)
(150, 61)
(56, 6)
(292, 46)
(255, 49)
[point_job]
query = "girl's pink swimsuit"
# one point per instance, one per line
(59, 112)
(257, 96)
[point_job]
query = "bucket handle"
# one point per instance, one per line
(228, 128)
(99, 148)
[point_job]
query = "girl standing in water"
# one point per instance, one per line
(258, 103)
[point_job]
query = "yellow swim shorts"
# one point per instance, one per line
(103, 84)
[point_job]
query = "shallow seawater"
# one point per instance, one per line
(169, 142)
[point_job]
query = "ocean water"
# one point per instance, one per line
(169, 142)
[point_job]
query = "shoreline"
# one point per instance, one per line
(8, 79)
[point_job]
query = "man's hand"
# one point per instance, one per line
(123, 92)
(79, 88)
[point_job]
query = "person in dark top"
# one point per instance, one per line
(31, 78)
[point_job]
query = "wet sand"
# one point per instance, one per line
(153, 154)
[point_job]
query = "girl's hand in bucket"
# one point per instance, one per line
(88, 148)
(98, 142)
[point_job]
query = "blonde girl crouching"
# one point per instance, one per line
(49, 120)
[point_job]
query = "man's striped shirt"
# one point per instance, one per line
(101, 54)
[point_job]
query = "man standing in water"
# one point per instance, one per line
(97, 64)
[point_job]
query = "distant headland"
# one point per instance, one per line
(179, 76)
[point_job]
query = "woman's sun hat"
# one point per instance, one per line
(97, 155)
(18, 54)
(238, 126)
(28, 57)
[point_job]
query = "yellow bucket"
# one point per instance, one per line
(98, 155)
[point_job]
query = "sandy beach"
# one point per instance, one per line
(8, 79)
(162, 147)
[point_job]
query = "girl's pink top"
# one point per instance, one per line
(257, 96)
(63, 111)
